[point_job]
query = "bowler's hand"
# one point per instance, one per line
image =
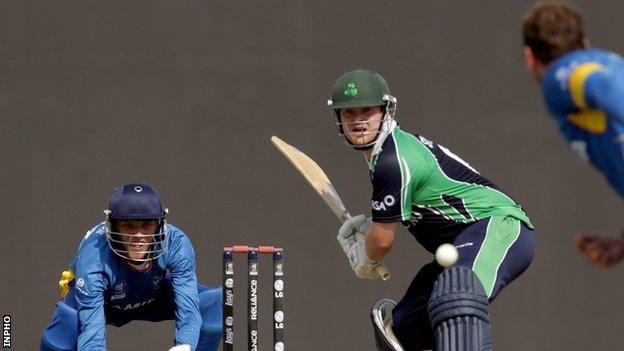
(601, 250)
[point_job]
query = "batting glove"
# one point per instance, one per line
(346, 233)
(351, 237)
(360, 263)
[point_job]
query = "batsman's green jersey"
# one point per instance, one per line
(432, 191)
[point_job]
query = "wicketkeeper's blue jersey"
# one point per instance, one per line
(584, 91)
(105, 281)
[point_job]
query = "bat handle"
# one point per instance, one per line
(383, 272)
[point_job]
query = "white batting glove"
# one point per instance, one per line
(185, 347)
(346, 233)
(351, 237)
(360, 263)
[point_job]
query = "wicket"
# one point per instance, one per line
(252, 295)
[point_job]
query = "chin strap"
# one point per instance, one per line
(381, 137)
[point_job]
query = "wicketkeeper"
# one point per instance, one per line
(133, 266)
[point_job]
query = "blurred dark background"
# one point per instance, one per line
(185, 95)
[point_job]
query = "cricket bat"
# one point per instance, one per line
(319, 181)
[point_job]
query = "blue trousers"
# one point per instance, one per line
(497, 249)
(62, 332)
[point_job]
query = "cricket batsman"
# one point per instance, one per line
(584, 92)
(440, 199)
(133, 266)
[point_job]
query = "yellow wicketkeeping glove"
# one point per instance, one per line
(67, 278)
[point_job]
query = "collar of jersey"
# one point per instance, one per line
(141, 268)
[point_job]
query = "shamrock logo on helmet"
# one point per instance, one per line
(351, 90)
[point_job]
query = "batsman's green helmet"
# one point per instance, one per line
(360, 88)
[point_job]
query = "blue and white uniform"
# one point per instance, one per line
(108, 290)
(584, 92)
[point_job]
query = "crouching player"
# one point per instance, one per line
(440, 199)
(133, 266)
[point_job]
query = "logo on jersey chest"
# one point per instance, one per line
(156, 282)
(119, 291)
(388, 201)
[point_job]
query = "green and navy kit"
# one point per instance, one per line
(442, 199)
(432, 191)
(105, 283)
(584, 92)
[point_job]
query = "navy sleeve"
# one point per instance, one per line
(391, 198)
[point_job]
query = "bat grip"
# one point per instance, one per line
(383, 272)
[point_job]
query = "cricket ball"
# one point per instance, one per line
(446, 255)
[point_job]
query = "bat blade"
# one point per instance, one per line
(315, 176)
(313, 173)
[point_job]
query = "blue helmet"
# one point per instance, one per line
(136, 201)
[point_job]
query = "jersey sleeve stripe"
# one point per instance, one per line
(405, 186)
(405, 178)
(577, 82)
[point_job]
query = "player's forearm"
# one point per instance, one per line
(188, 318)
(379, 240)
(187, 330)
(93, 331)
(376, 252)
